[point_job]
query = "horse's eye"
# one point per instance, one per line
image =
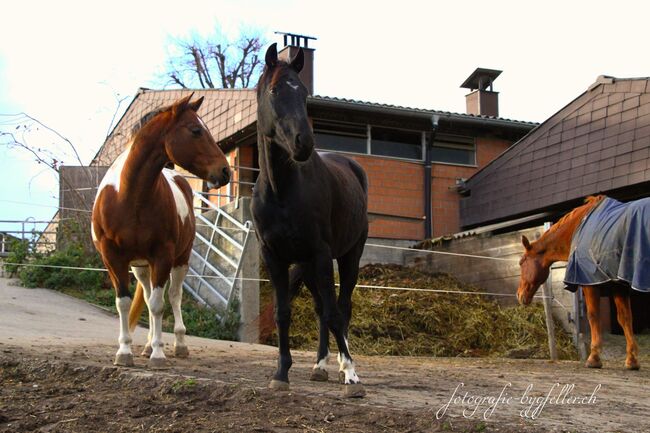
(273, 91)
(196, 131)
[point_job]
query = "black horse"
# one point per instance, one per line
(308, 210)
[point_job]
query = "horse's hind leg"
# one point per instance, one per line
(175, 295)
(143, 275)
(324, 274)
(624, 315)
(592, 299)
(160, 270)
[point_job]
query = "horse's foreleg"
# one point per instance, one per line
(279, 275)
(143, 275)
(119, 274)
(592, 299)
(160, 274)
(175, 297)
(624, 316)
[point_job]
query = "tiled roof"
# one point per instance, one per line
(225, 111)
(228, 111)
(353, 102)
(599, 142)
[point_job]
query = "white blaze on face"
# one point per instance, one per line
(293, 86)
(181, 203)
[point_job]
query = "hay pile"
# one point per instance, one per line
(386, 322)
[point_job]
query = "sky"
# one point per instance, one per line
(68, 64)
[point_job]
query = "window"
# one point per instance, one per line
(341, 137)
(453, 149)
(396, 142)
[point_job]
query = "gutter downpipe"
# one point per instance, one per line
(428, 214)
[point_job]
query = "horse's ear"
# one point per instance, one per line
(194, 106)
(299, 61)
(526, 243)
(181, 105)
(271, 57)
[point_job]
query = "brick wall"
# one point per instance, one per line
(396, 196)
(396, 190)
(445, 199)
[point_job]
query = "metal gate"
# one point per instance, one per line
(215, 263)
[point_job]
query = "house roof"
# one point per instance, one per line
(225, 112)
(599, 142)
(230, 114)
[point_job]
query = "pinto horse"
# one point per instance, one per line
(562, 243)
(143, 218)
(308, 209)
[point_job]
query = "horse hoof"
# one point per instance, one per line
(157, 363)
(319, 375)
(279, 385)
(146, 352)
(353, 390)
(633, 365)
(591, 363)
(124, 359)
(181, 352)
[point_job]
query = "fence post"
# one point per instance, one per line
(548, 309)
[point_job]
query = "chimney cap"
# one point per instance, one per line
(481, 79)
(295, 39)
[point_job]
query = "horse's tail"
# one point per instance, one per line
(137, 305)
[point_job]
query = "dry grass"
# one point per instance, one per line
(388, 322)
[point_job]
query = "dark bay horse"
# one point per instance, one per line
(308, 209)
(556, 245)
(143, 218)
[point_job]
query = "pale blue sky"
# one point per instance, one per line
(66, 63)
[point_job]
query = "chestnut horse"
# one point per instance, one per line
(143, 218)
(308, 209)
(556, 245)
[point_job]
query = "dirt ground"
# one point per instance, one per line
(56, 375)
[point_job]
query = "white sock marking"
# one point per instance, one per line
(322, 363)
(156, 304)
(123, 305)
(175, 295)
(347, 366)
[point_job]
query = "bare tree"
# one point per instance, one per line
(49, 148)
(216, 62)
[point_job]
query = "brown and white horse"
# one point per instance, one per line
(555, 245)
(143, 218)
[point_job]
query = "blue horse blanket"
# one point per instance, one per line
(612, 244)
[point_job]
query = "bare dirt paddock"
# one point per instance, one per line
(56, 376)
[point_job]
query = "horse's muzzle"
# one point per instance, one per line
(219, 180)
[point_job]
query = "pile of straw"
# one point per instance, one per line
(387, 322)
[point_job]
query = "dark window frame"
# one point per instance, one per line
(456, 142)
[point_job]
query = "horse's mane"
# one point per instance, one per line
(146, 118)
(590, 203)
